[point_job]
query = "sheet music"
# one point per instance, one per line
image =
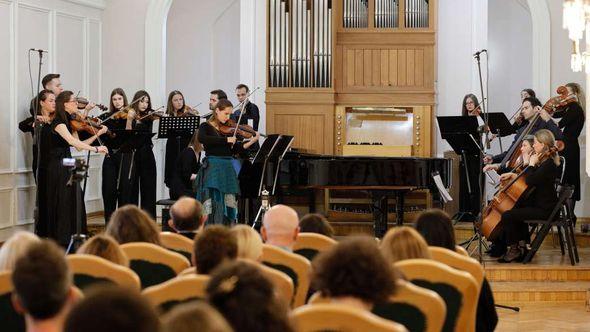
(441, 188)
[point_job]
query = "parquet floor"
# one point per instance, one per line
(545, 317)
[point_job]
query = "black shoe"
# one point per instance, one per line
(497, 251)
(514, 254)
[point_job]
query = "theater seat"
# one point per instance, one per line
(309, 245)
(177, 291)
(90, 269)
(10, 320)
(152, 263)
(295, 266)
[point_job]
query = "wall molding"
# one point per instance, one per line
(541, 48)
(98, 4)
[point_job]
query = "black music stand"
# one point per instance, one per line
(273, 149)
(131, 140)
(461, 132)
(178, 126)
(500, 125)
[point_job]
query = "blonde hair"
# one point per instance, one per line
(404, 243)
(577, 89)
(14, 248)
(104, 246)
(249, 242)
(546, 137)
(131, 224)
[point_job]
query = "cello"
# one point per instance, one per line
(505, 199)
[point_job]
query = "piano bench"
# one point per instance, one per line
(166, 203)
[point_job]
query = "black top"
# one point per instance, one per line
(145, 125)
(113, 124)
(251, 112)
(572, 121)
(214, 143)
(57, 145)
(186, 165)
(540, 124)
(541, 179)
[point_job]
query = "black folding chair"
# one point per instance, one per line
(561, 217)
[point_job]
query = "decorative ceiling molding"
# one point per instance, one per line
(98, 4)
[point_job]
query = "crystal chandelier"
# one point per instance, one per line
(576, 19)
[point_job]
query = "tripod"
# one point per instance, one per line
(264, 207)
(78, 174)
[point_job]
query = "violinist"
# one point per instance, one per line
(143, 175)
(540, 177)
(217, 182)
(214, 97)
(572, 121)
(174, 145)
(185, 170)
(469, 206)
(531, 110)
(116, 187)
(518, 119)
(59, 218)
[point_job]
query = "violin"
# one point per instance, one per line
(83, 102)
(230, 128)
(151, 115)
(563, 98)
(87, 125)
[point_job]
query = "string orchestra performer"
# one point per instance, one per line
(217, 179)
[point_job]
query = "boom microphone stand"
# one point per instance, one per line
(37, 131)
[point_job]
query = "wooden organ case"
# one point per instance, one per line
(353, 77)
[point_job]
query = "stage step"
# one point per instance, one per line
(540, 291)
(533, 273)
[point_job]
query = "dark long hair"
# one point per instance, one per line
(120, 92)
(139, 95)
(60, 106)
(169, 107)
(437, 228)
(471, 96)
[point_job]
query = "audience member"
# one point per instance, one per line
(280, 227)
(113, 309)
(437, 228)
(354, 272)
(315, 223)
(131, 224)
(249, 242)
(246, 298)
(213, 246)
(104, 246)
(194, 316)
(43, 289)
(187, 217)
(403, 242)
(14, 248)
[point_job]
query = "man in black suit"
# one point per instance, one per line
(187, 217)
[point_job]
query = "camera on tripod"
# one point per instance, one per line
(78, 168)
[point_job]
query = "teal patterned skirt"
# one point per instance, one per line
(216, 187)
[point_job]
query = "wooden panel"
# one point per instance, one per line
(358, 67)
(410, 67)
(384, 62)
(376, 67)
(392, 67)
(419, 69)
(307, 130)
(367, 70)
(350, 70)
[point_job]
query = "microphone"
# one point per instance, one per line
(479, 52)
(38, 50)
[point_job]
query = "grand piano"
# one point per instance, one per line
(382, 177)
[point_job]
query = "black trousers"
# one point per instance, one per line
(116, 185)
(513, 223)
(144, 179)
(469, 202)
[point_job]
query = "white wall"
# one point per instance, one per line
(71, 32)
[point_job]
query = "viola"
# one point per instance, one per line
(242, 131)
(563, 99)
(83, 102)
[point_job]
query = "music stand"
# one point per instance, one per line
(131, 140)
(500, 125)
(178, 126)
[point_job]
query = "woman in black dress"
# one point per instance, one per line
(116, 187)
(174, 145)
(217, 180)
(143, 175)
(571, 123)
(541, 172)
(186, 169)
(469, 201)
(60, 217)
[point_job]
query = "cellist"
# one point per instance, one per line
(540, 175)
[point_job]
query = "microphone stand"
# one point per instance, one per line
(37, 138)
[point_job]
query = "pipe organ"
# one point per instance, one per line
(353, 77)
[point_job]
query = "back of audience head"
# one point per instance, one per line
(114, 309)
(213, 246)
(280, 226)
(249, 242)
(14, 248)
(246, 298)
(104, 246)
(315, 223)
(186, 214)
(403, 242)
(42, 282)
(131, 224)
(437, 229)
(194, 316)
(354, 268)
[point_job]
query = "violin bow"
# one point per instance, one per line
(121, 110)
